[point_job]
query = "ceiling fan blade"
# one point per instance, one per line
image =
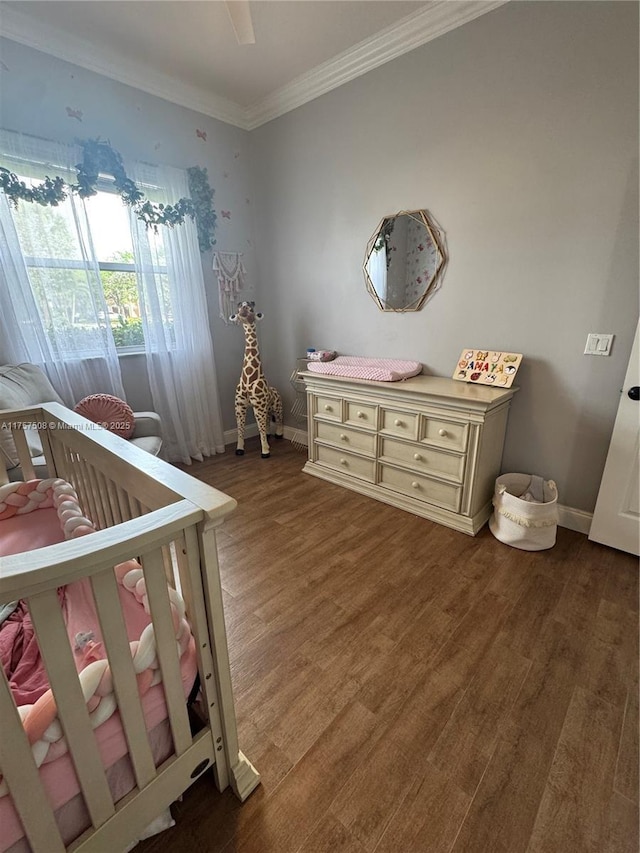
(240, 15)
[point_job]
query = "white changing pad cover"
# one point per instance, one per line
(359, 367)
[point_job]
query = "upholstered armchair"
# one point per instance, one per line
(24, 385)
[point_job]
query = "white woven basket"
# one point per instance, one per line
(525, 512)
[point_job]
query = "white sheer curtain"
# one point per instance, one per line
(179, 350)
(52, 307)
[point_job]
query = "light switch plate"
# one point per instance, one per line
(598, 344)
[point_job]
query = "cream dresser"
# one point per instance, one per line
(429, 445)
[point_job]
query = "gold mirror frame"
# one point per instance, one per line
(427, 281)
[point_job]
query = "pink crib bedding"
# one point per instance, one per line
(359, 367)
(28, 532)
(27, 676)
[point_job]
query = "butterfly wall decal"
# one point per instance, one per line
(226, 214)
(201, 134)
(74, 113)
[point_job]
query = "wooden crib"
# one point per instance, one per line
(142, 508)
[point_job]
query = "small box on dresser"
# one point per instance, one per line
(428, 445)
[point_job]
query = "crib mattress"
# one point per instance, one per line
(58, 776)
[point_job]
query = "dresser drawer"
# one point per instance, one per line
(329, 408)
(363, 442)
(421, 488)
(424, 460)
(362, 415)
(404, 424)
(355, 466)
(446, 434)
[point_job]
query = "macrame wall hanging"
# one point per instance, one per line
(231, 274)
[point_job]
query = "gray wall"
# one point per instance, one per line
(36, 90)
(519, 132)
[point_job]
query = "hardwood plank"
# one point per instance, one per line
(573, 810)
(289, 815)
(505, 805)
(581, 596)
(428, 818)
(622, 584)
(369, 799)
(478, 629)
(295, 727)
(262, 752)
(610, 653)
(527, 617)
(425, 635)
(621, 830)
(512, 576)
(330, 836)
(466, 743)
(626, 778)
(457, 594)
(392, 679)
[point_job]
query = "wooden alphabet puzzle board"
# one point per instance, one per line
(487, 367)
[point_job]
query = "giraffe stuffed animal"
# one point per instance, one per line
(253, 388)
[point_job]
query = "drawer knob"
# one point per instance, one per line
(398, 422)
(415, 485)
(361, 415)
(343, 437)
(443, 432)
(344, 462)
(328, 408)
(417, 457)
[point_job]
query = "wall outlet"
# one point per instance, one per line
(598, 344)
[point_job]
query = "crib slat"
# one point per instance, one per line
(72, 710)
(159, 606)
(100, 520)
(20, 441)
(23, 779)
(125, 512)
(87, 502)
(114, 634)
(191, 582)
(134, 506)
(60, 459)
(103, 493)
(213, 597)
(48, 453)
(113, 502)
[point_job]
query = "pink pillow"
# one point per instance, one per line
(110, 412)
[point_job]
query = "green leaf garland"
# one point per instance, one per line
(100, 158)
(202, 199)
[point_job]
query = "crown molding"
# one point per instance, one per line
(47, 39)
(411, 32)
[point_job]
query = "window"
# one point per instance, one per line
(55, 247)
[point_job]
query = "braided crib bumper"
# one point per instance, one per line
(40, 720)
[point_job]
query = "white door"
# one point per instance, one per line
(616, 518)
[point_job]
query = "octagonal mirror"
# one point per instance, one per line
(404, 261)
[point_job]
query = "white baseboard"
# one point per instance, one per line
(293, 434)
(574, 519)
(300, 436)
(231, 435)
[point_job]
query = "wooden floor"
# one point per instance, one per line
(402, 687)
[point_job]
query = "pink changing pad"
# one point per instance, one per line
(359, 367)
